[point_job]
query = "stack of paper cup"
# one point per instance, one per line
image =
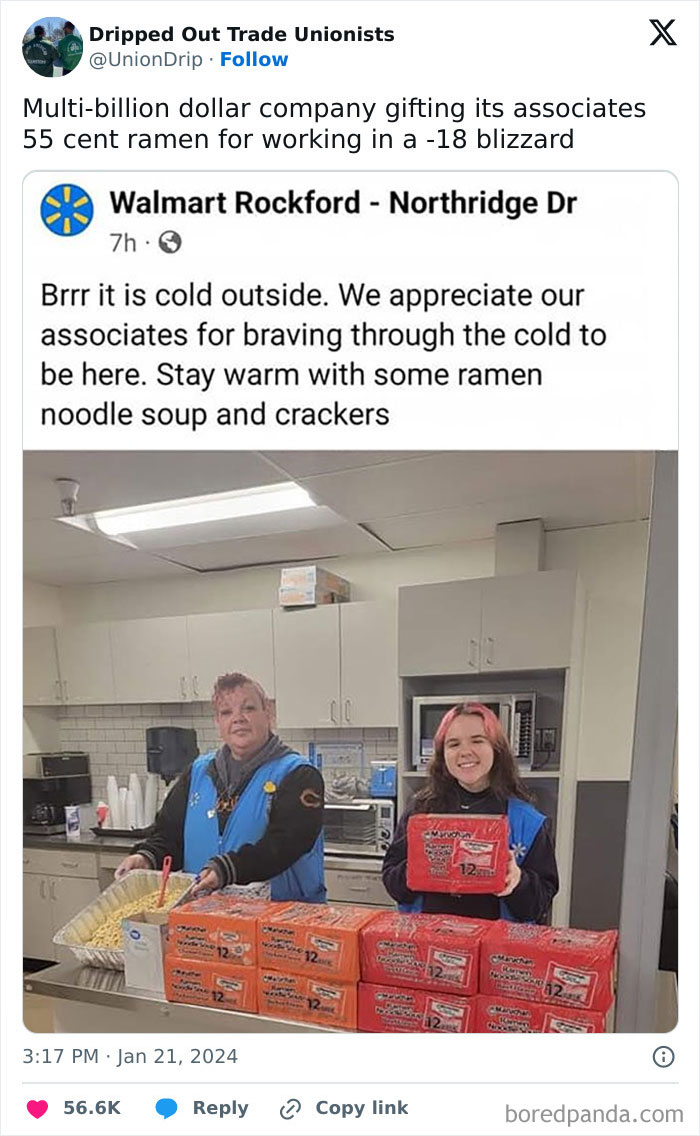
(151, 799)
(135, 788)
(115, 815)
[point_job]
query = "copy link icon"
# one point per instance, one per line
(290, 1109)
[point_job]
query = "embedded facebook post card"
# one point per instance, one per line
(217, 309)
(348, 351)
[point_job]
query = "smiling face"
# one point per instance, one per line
(243, 720)
(468, 752)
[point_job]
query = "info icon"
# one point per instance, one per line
(67, 210)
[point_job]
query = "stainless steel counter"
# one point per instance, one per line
(85, 998)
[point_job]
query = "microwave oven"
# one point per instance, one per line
(360, 827)
(516, 713)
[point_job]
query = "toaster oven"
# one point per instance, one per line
(360, 827)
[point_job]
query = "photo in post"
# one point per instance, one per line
(318, 735)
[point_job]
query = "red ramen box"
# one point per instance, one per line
(457, 854)
(322, 1001)
(211, 984)
(433, 952)
(396, 1009)
(313, 938)
(219, 927)
(561, 966)
(506, 1015)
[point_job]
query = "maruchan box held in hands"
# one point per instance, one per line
(506, 1015)
(315, 939)
(457, 854)
(395, 1009)
(561, 966)
(432, 952)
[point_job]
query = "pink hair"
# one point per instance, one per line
(492, 727)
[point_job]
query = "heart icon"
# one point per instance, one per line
(37, 1108)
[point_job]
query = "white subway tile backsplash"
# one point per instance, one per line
(115, 736)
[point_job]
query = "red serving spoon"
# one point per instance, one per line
(167, 862)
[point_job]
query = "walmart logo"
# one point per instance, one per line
(67, 210)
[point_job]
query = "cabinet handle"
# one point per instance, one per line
(69, 864)
(65, 690)
(195, 685)
(348, 705)
(473, 654)
(57, 685)
(333, 717)
(490, 652)
(25, 859)
(183, 687)
(362, 887)
(52, 889)
(42, 889)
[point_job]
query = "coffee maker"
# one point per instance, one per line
(61, 779)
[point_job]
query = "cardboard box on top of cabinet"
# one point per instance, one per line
(308, 585)
(219, 927)
(457, 853)
(322, 1001)
(432, 952)
(398, 1009)
(562, 966)
(507, 1015)
(145, 938)
(315, 939)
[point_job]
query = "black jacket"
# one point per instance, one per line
(296, 819)
(529, 903)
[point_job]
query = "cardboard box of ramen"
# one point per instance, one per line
(457, 854)
(219, 927)
(506, 1015)
(322, 1001)
(397, 1009)
(432, 952)
(561, 966)
(213, 984)
(313, 938)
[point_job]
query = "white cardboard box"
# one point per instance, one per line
(145, 936)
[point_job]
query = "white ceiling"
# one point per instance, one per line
(373, 502)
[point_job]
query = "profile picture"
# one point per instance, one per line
(52, 47)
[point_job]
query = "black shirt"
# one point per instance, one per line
(528, 903)
(295, 821)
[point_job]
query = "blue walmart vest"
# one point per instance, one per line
(524, 823)
(303, 881)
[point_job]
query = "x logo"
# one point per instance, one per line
(662, 29)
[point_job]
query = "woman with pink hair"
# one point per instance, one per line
(473, 771)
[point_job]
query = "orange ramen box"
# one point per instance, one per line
(457, 854)
(313, 938)
(322, 1001)
(213, 984)
(218, 927)
(394, 1009)
(561, 966)
(432, 952)
(506, 1015)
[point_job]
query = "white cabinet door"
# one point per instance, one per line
(85, 663)
(527, 621)
(36, 918)
(368, 658)
(68, 897)
(230, 641)
(307, 667)
(440, 628)
(150, 660)
(41, 678)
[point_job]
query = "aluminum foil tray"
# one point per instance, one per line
(83, 925)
